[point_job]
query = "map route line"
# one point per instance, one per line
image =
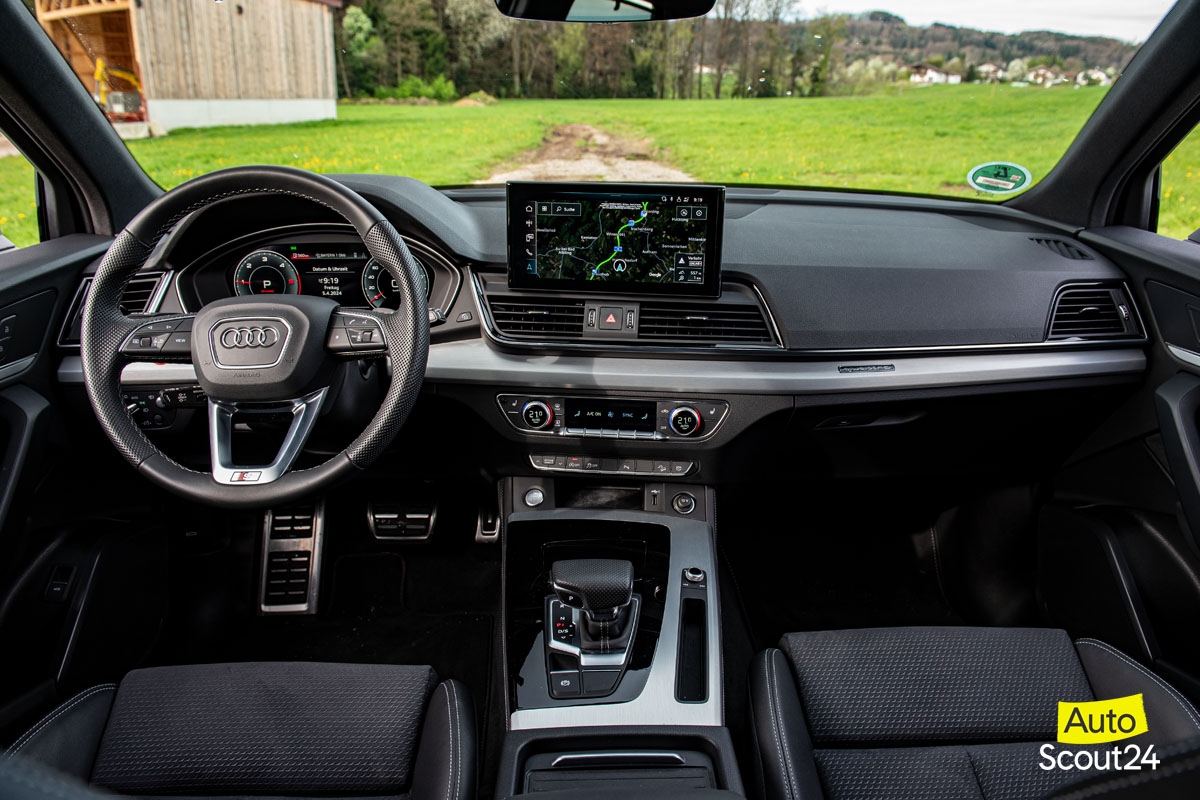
(617, 248)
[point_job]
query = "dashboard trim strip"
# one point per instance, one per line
(475, 362)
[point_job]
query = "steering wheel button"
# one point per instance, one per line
(178, 344)
(164, 326)
(338, 341)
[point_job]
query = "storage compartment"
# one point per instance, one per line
(691, 673)
(619, 771)
(578, 494)
(630, 762)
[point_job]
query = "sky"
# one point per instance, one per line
(1128, 20)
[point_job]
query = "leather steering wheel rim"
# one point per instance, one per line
(105, 328)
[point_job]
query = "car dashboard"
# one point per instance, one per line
(835, 315)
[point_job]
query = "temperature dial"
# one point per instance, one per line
(685, 421)
(537, 415)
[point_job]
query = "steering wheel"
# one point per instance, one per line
(254, 354)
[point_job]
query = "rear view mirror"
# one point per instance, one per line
(604, 10)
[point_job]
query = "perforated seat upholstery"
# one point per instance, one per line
(278, 729)
(935, 713)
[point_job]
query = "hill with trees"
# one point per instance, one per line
(438, 49)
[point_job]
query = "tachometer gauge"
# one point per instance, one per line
(265, 272)
(380, 289)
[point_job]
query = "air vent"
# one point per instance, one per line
(134, 300)
(1095, 312)
(532, 318)
(138, 293)
(1063, 248)
(737, 323)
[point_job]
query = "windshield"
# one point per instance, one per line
(937, 97)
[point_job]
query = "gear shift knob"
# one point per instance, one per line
(600, 587)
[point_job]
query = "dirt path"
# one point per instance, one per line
(585, 153)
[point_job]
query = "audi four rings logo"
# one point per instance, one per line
(249, 337)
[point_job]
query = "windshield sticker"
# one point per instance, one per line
(998, 177)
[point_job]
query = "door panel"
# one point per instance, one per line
(36, 286)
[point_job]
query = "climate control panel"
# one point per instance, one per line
(655, 419)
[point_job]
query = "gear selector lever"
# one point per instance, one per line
(592, 616)
(600, 587)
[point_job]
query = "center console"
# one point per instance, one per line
(612, 646)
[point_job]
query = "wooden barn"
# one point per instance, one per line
(195, 63)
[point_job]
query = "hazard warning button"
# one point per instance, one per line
(611, 318)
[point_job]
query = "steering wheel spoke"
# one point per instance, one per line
(303, 411)
(166, 338)
(356, 334)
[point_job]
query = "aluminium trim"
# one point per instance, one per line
(1184, 355)
(160, 291)
(691, 545)
(658, 757)
(474, 362)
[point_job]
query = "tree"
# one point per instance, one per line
(473, 27)
(365, 59)
(827, 31)
(412, 31)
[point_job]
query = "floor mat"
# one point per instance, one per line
(366, 618)
(828, 571)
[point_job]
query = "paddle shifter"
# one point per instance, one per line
(591, 620)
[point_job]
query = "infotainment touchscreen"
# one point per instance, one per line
(610, 237)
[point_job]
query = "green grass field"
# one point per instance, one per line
(920, 140)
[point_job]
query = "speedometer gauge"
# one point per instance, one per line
(380, 289)
(265, 272)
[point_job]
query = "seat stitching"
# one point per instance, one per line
(775, 729)
(456, 751)
(974, 772)
(450, 729)
(58, 712)
(1170, 690)
(937, 562)
(787, 753)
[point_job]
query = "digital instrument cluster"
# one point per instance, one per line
(345, 273)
